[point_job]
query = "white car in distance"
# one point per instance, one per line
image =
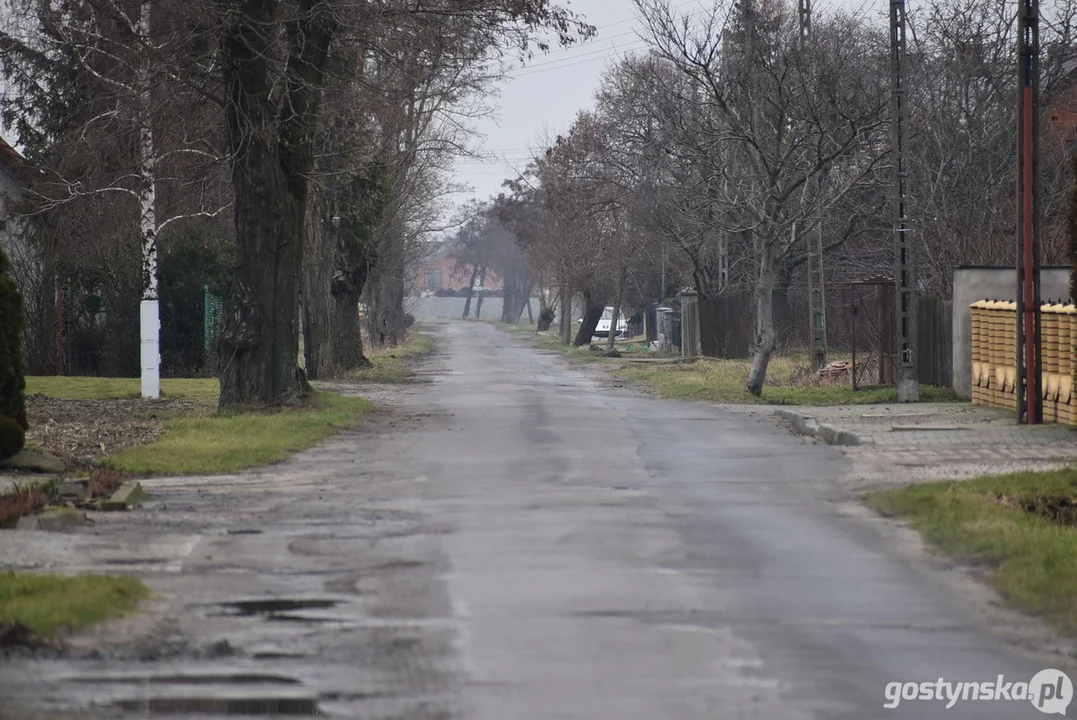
(602, 330)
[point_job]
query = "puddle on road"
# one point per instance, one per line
(277, 608)
(222, 706)
(229, 679)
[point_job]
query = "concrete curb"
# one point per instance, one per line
(127, 496)
(52, 520)
(808, 425)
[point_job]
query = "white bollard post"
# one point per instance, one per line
(151, 348)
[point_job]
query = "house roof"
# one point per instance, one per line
(10, 154)
(438, 250)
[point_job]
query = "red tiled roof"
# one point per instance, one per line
(9, 153)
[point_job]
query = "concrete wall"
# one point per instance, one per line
(991, 283)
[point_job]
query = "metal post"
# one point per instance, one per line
(59, 329)
(814, 243)
(905, 309)
(856, 311)
(1029, 367)
(689, 323)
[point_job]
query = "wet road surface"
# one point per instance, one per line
(513, 541)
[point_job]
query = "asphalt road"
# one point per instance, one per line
(516, 541)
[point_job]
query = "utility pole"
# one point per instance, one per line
(723, 249)
(814, 242)
(906, 305)
(1029, 364)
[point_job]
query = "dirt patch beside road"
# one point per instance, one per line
(84, 432)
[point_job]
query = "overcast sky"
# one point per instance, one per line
(547, 93)
(544, 97)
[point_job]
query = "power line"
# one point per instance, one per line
(524, 70)
(572, 62)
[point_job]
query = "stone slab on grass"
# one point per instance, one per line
(53, 520)
(36, 461)
(127, 496)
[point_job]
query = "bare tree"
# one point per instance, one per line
(785, 112)
(135, 66)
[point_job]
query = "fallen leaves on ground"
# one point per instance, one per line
(83, 432)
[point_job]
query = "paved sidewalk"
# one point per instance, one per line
(892, 445)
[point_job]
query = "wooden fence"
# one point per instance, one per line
(935, 342)
(725, 326)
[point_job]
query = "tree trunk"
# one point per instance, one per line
(259, 343)
(348, 340)
(482, 292)
(764, 339)
(508, 295)
(317, 299)
(592, 313)
(387, 290)
(523, 302)
(150, 314)
(390, 308)
(470, 290)
(566, 314)
(611, 341)
(272, 158)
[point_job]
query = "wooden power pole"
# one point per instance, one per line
(905, 299)
(814, 242)
(1029, 364)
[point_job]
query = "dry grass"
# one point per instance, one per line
(390, 365)
(104, 481)
(23, 501)
(790, 379)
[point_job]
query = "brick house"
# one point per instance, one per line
(1063, 112)
(443, 271)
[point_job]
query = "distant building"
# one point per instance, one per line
(443, 272)
(1063, 112)
(11, 191)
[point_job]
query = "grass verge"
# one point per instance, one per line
(97, 388)
(214, 444)
(1023, 527)
(723, 380)
(389, 365)
(49, 603)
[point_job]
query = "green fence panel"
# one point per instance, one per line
(214, 310)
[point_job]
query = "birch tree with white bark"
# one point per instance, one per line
(133, 62)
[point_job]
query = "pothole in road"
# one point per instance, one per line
(221, 706)
(278, 608)
(230, 679)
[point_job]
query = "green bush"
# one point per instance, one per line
(12, 380)
(12, 437)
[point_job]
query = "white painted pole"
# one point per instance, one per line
(150, 311)
(150, 327)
